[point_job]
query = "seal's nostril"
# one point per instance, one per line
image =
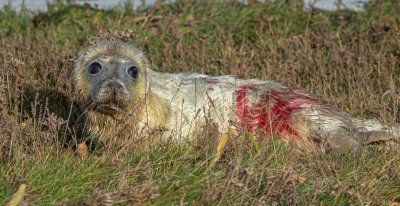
(114, 86)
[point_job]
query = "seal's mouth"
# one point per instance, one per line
(109, 108)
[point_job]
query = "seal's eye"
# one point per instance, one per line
(94, 68)
(133, 72)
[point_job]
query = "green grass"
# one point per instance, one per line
(350, 59)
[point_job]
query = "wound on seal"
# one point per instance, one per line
(271, 114)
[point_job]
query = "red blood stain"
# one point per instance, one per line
(212, 83)
(272, 113)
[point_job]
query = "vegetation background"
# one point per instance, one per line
(350, 59)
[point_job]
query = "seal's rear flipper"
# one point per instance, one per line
(343, 139)
(379, 138)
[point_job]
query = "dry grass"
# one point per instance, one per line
(350, 59)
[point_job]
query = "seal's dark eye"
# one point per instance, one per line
(94, 68)
(133, 72)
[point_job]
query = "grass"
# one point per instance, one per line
(350, 59)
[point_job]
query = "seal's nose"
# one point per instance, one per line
(114, 87)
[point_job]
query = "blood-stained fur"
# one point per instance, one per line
(178, 104)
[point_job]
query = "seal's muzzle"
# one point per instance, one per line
(110, 95)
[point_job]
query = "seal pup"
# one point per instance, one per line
(125, 99)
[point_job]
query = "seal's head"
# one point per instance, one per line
(110, 75)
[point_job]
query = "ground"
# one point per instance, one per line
(350, 59)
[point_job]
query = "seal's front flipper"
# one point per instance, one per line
(343, 142)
